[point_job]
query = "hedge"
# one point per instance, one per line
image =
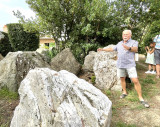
(5, 45)
(21, 40)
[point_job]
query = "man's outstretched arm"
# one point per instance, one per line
(132, 49)
(105, 49)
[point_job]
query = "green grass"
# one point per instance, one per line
(149, 88)
(6, 94)
(132, 96)
(108, 92)
(148, 80)
(93, 79)
(5, 125)
(121, 124)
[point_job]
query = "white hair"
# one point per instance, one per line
(128, 31)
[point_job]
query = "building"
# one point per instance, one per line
(5, 29)
(47, 42)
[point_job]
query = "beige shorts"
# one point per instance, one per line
(124, 72)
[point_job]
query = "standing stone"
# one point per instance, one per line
(65, 61)
(15, 66)
(60, 99)
(1, 57)
(89, 61)
(106, 71)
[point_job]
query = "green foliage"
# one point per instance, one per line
(49, 54)
(108, 92)
(78, 21)
(80, 50)
(21, 40)
(91, 21)
(152, 32)
(46, 47)
(53, 52)
(93, 79)
(6, 94)
(5, 45)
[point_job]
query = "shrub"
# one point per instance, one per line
(80, 51)
(93, 79)
(5, 45)
(21, 40)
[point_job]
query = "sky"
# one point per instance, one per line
(6, 11)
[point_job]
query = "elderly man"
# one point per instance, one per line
(126, 63)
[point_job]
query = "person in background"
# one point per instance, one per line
(157, 55)
(126, 63)
(150, 58)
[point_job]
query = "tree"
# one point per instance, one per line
(91, 21)
(74, 21)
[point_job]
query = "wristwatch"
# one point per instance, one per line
(130, 49)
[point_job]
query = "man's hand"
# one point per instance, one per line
(99, 49)
(126, 47)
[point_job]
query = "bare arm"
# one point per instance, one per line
(152, 51)
(133, 49)
(105, 49)
(146, 49)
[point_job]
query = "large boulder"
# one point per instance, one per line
(1, 57)
(65, 61)
(45, 54)
(89, 62)
(60, 99)
(106, 71)
(15, 66)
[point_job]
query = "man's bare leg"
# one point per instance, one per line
(137, 86)
(158, 69)
(123, 84)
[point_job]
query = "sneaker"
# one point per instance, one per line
(145, 104)
(123, 95)
(153, 72)
(147, 72)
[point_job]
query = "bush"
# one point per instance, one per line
(21, 40)
(5, 45)
(80, 51)
(93, 79)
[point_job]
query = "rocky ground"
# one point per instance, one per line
(127, 112)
